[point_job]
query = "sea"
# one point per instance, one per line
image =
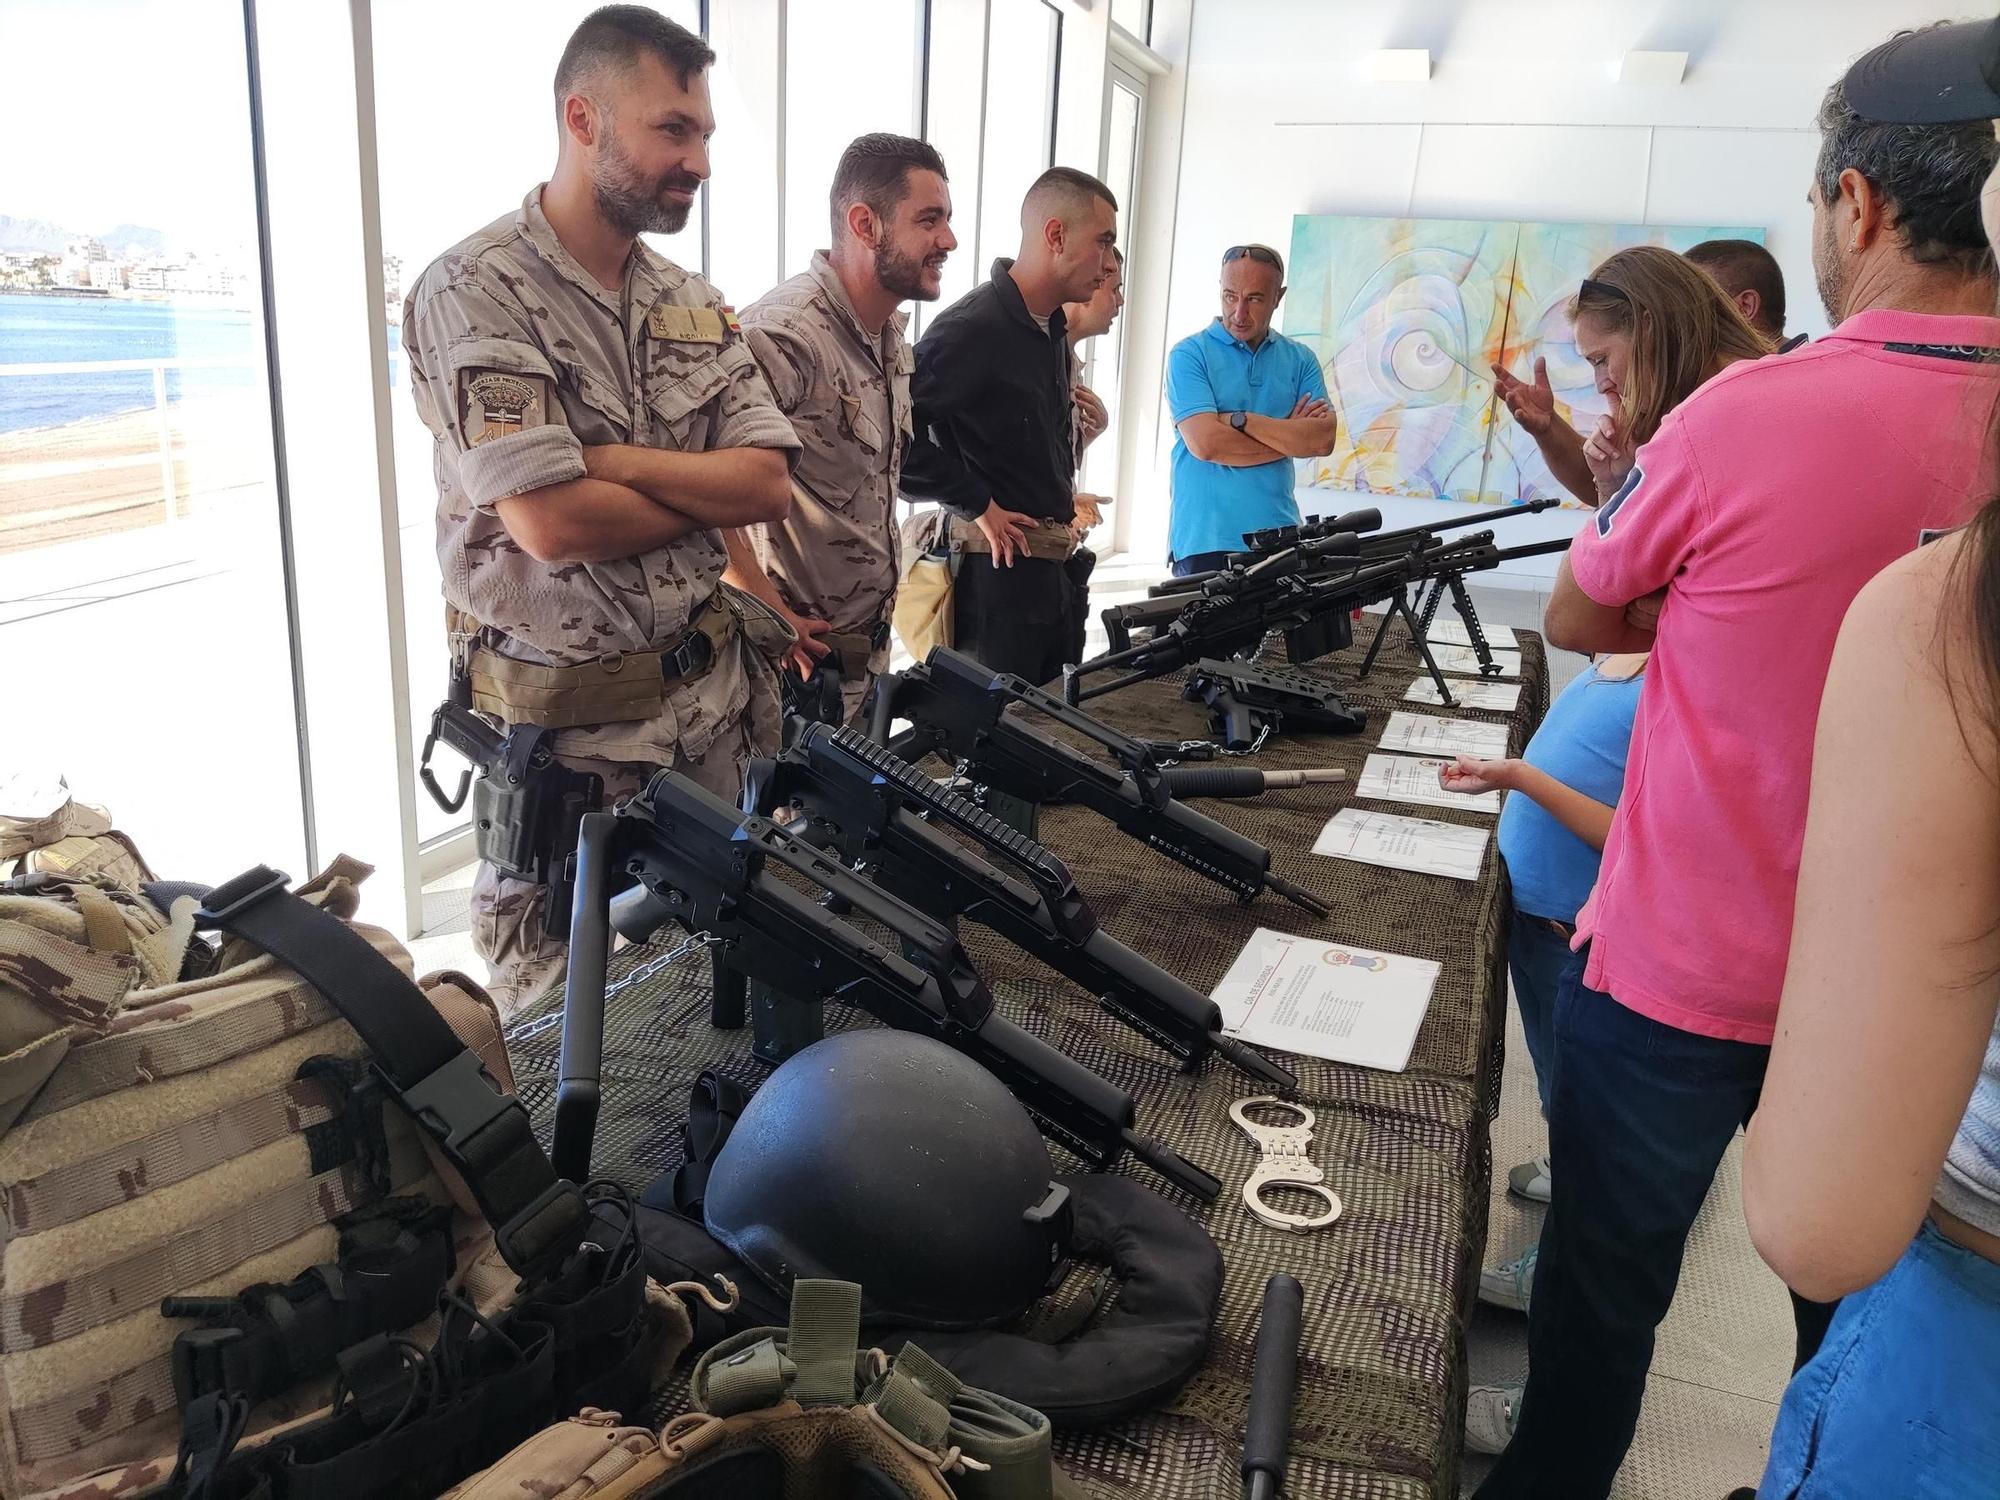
(71, 330)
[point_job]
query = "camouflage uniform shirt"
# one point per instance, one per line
(834, 557)
(518, 359)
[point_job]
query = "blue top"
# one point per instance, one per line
(1215, 371)
(1582, 743)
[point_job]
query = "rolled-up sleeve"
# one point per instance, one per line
(746, 412)
(463, 341)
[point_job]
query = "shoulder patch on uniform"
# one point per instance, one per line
(498, 403)
(1624, 492)
(685, 325)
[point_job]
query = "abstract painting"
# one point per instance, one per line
(1407, 316)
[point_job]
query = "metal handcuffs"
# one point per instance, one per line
(1284, 1164)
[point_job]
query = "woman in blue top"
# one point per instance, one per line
(1551, 841)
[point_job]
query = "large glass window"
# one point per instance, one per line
(1023, 47)
(850, 69)
(145, 648)
(1135, 17)
(466, 125)
(954, 110)
(1125, 105)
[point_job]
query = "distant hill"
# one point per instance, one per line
(39, 236)
(134, 240)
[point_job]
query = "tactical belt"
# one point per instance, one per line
(1051, 540)
(537, 1217)
(855, 647)
(616, 687)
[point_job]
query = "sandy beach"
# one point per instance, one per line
(90, 478)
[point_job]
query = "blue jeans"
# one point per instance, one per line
(1640, 1114)
(1199, 562)
(1901, 1398)
(1537, 958)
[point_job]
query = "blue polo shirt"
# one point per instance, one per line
(1215, 371)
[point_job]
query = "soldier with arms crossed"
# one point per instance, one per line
(831, 343)
(599, 420)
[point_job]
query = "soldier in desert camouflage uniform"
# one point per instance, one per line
(831, 342)
(598, 420)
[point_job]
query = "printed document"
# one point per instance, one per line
(1409, 778)
(1451, 632)
(1500, 697)
(1426, 734)
(1463, 659)
(1326, 1000)
(1379, 838)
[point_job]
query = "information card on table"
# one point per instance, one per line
(1464, 660)
(1326, 1000)
(1375, 838)
(1426, 734)
(1500, 697)
(1413, 778)
(1454, 633)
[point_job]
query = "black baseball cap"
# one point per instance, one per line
(1932, 77)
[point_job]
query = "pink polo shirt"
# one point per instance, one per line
(1764, 503)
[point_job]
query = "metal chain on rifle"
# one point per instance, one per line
(1211, 749)
(645, 971)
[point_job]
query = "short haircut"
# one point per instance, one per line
(1062, 193)
(1745, 266)
(875, 170)
(1932, 174)
(615, 36)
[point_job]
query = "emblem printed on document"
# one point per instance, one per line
(498, 405)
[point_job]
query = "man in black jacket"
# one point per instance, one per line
(993, 439)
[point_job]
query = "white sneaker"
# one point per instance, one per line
(1489, 1417)
(1509, 1283)
(1530, 1180)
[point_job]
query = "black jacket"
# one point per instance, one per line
(992, 400)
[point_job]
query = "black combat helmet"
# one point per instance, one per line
(886, 1158)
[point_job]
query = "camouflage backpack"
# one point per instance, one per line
(43, 828)
(780, 1413)
(271, 1222)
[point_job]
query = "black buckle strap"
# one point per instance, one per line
(537, 1217)
(695, 654)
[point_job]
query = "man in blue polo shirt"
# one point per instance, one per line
(1246, 402)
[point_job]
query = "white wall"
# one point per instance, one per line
(1522, 118)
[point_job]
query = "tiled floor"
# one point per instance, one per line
(1725, 1349)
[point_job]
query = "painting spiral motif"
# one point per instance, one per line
(1407, 317)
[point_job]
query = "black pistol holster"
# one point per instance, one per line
(526, 804)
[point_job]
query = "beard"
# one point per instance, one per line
(902, 275)
(1828, 272)
(632, 205)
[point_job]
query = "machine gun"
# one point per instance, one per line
(959, 709)
(1313, 611)
(689, 858)
(884, 816)
(526, 805)
(1366, 526)
(1247, 704)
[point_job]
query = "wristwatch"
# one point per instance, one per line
(1238, 418)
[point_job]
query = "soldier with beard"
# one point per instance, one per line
(599, 421)
(831, 343)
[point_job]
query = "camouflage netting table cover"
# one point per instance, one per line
(1388, 1287)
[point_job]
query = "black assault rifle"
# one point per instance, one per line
(1312, 610)
(1247, 703)
(958, 709)
(883, 816)
(686, 857)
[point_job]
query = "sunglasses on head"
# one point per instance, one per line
(1264, 255)
(1603, 289)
